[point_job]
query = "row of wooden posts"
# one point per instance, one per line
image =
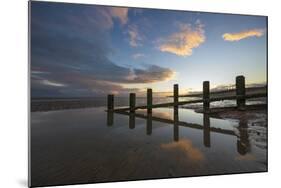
(240, 98)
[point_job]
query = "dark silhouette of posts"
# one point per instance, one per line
(110, 103)
(132, 102)
(176, 112)
(207, 130)
(206, 96)
(176, 94)
(240, 92)
(149, 101)
(176, 100)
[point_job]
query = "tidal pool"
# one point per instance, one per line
(90, 145)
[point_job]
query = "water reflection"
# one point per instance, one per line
(243, 143)
(149, 124)
(191, 152)
(176, 125)
(132, 120)
(86, 148)
(207, 130)
(110, 117)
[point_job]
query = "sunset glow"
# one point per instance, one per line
(85, 50)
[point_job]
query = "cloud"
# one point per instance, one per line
(134, 36)
(183, 42)
(151, 74)
(138, 55)
(103, 17)
(243, 34)
(55, 84)
(120, 13)
(70, 55)
(74, 84)
(187, 148)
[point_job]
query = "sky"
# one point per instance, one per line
(90, 50)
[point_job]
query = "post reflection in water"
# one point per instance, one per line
(243, 143)
(110, 117)
(149, 124)
(132, 119)
(207, 130)
(176, 126)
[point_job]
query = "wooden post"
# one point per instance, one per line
(176, 100)
(206, 96)
(176, 112)
(110, 102)
(132, 102)
(149, 101)
(176, 94)
(240, 92)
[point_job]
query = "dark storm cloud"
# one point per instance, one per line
(70, 49)
(151, 74)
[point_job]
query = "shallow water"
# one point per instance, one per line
(89, 145)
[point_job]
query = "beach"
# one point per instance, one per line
(89, 145)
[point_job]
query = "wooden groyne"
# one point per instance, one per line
(206, 98)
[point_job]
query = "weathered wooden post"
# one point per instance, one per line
(176, 94)
(240, 92)
(206, 96)
(149, 101)
(206, 131)
(176, 112)
(110, 103)
(176, 100)
(132, 102)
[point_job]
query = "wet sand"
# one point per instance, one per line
(88, 145)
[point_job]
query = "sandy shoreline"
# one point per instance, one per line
(77, 146)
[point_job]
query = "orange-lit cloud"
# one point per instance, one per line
(105, 17)
(120, 13)
(243, 34)
(182, 43)
(185, 146)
